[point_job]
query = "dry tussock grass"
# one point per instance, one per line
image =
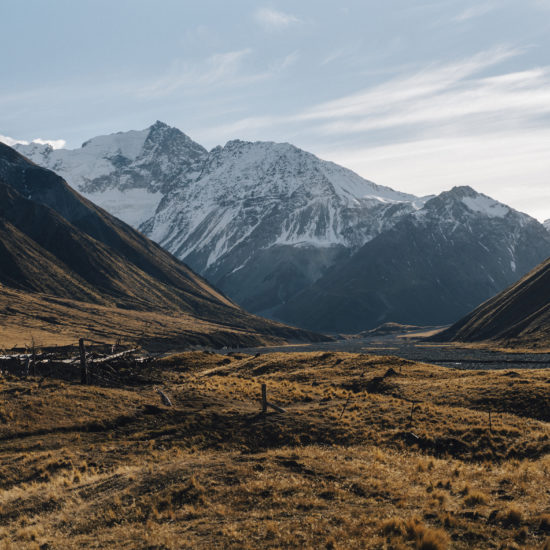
(54, 321)
(345, 467)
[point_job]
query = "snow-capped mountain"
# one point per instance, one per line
(260, 220)
(459, 249)
(267, 223)
(266, 219)
(547, 224)
(127, 173)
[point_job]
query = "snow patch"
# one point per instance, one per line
(128, 144)
(486, 206)
(92, 160)
(131, 205)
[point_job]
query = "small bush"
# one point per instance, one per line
(544, 522)
(393, 526)
(424, 537)
(448, 520)
(512, 516)
(432, 539)
(475, 498)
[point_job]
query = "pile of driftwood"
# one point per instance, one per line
(97, 365)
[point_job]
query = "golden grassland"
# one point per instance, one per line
(51, 321)
(500, 346)
(373, 452)
(507, 347)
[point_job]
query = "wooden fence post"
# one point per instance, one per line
(83, 366)
(412, 411)
(264, 398)
(266, 403)
(33, 360)
(345, 406)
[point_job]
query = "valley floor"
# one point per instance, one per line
(454, 355)
(372, 452)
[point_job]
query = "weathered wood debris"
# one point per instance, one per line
(95, 365)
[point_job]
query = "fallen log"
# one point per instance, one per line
(114, 356)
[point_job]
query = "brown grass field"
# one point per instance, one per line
(346, 466)
(52, 321)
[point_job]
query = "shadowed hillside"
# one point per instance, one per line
(431, 268)
(54, 243)
(518, 316)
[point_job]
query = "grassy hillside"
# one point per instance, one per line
(45, 320)
(56, 247)
(517, 317)
(345, 467)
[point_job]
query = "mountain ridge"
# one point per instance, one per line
(432, 267)
(518, 316)
(265, 222)
(248, 216)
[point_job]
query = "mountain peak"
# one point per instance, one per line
(464, 198)
(159, 124)
(160, 129)
(171, 137)
(461, 191)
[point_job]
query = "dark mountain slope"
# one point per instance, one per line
(431, 268)
(55, 242)
(262, 220)
(519, 315)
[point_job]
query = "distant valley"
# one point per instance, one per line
(292, 237)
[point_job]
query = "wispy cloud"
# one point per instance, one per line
(219, 71)
(441, 126)
(496, 101)
(339, 53)
(288, 60)
(274, 19)
(222, 69)
(434, 94)
(474, 12)
(54, 143)
(406, 88)
(511, 166)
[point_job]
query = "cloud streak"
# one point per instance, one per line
(407, 88)
(276, 20)
(53, 143)
(446, 125)
(474, 12)
(222, 69)
(435, 94)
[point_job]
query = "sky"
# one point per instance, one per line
(416, 95)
